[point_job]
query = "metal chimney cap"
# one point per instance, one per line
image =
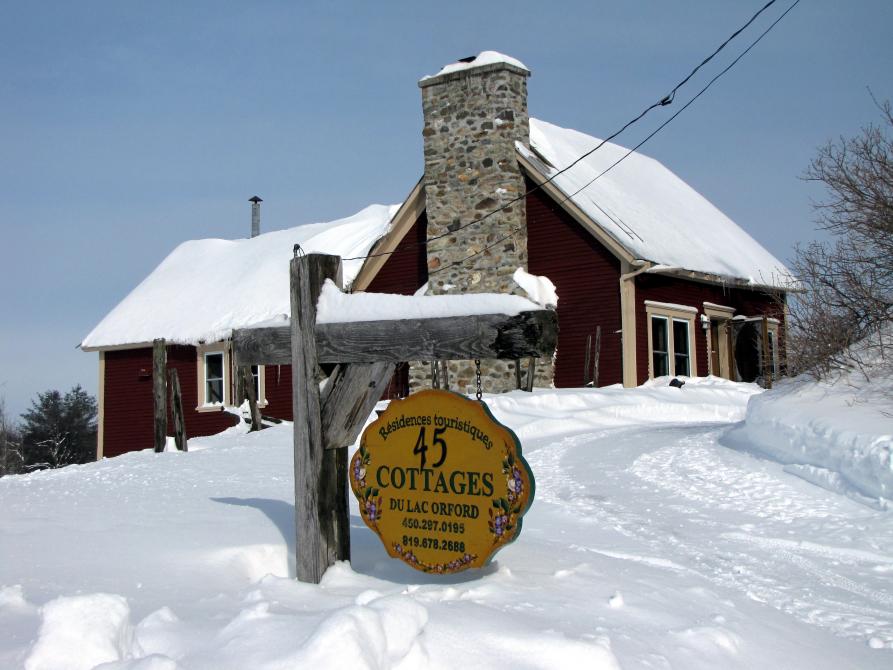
(255, 200)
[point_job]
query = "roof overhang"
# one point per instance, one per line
(708, 278)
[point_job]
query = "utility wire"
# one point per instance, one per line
(629, 152)
(683, 108)
(664, 101)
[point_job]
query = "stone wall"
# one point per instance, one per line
(472, 119)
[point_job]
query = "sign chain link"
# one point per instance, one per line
(477, 378)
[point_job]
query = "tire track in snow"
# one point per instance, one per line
(769, 570)
(687, 503)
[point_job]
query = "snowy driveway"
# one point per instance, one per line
(649, 545)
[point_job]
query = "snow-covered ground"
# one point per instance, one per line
(650, 544)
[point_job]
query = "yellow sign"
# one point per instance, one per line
(442, 483)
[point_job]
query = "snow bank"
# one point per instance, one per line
(80, 632)
(837, 434)
(648, 546)
(552, 412)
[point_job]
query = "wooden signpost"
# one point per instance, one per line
(327, 420)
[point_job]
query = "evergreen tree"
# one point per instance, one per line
(59, 430)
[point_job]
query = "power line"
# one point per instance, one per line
(684, 107)
(631, 151)
(664, 101)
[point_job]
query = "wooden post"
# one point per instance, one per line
(767, 362)
(518, 373)
(531, 372)
(313, 484)
(445, 375)
(597, 354)
(435, 377)
(248, 392)
(730, 335)
(159, 393)
(586, 354)
(177, 410)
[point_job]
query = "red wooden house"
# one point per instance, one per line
(674, 286)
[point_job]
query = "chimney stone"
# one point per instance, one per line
(474, 112)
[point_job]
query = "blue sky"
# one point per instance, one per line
(127, 127)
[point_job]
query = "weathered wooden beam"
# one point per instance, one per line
(159, 393)
(314, 481)
(349, 398)
(528, 334)
(177, 410)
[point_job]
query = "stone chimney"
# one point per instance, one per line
(474, 112)
(255, 215)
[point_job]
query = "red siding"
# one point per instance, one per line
(694, 294)
(587, 278)
(404, 272)
(406, 269)
(277, 389)
(128, 407)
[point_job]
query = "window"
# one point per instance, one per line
(660, 348)
(680, 347)
(215, 381)
(670, 339)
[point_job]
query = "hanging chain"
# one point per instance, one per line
(477, 379)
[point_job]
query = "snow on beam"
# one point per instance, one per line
(531, 333)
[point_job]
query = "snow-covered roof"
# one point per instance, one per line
(650, 211)
(205, 288)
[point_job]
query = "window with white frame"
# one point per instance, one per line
(660, 346)
(214, 378)
(670, 339)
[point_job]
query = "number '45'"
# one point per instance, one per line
(421, 447)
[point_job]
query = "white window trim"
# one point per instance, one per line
(713, 309)
(672, 312)
(202, 351)
(721, 314)
(224, 348)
